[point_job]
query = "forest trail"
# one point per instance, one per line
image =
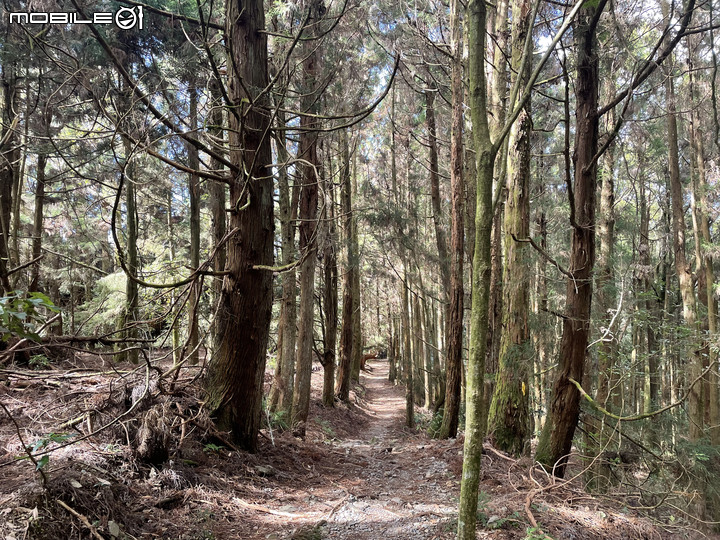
(400, 489)
(359, 474)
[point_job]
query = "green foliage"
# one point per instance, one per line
(42, 444)
(22, 313)
(482, 508)
(276, 420)
(327, 429)
(435, 424)
(213, 448)
(536, 533)
(39, 361)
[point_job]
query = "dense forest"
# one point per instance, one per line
(222, 220)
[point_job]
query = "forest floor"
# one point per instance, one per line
(359, 473)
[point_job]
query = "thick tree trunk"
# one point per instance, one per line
(508, 418)
(702, 242)
(235, 377)
(682, 266)
(556, 440)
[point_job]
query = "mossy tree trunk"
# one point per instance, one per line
(508, 418)
(475, 414)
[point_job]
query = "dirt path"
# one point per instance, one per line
(404, 491)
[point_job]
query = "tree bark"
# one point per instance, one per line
(235, 377)
(218, 202)
(9, 159)
(330, 297)
(281, 393)
(508, 418)
(556, 439)
(407, 354)
(702, 243)
(346, 337)
(194, 190)
(130, 314)
(38, 221)
(476, 419)
(454, 318)
(440, 237)
(308, 151)
(682, 266)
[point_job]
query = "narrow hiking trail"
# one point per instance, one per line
(376, 480)
(405, 490)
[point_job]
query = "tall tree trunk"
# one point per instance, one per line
(454, 319)
(308, 151)
(175, 330)
(330, 296)
(556, 439)
(9, 159)
(194, 189)
(346, 337)
(217, 204)
(357, 349)
(702, 243)
(421, 375)
(508, 418)
(476, 420)
(281, 393)
(541, 336)
(235, 377)
(392, 347)
(652, 399)
(440, 237)
(130, 313)
(407, 354)
(38, 230)
(38, 221)
(597, 435)
(682, 266)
